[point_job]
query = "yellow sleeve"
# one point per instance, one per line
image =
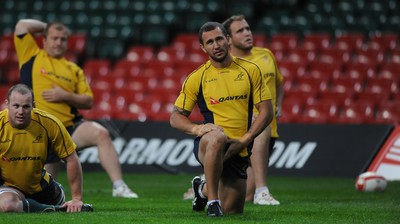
(26, 47)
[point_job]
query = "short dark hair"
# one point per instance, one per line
(20, 88)
(57, 25)
(208, 26)
(227, 23)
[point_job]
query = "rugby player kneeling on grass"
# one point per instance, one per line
(26, 136)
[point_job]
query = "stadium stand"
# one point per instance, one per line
(136, 54)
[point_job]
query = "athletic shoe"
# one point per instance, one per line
(85, 208)
(198, 203)
(124, 191)
(214, 210)
(265, 198)
(189, 195)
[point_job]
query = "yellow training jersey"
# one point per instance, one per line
(265, 59)
(40, 71)
(23, 152)
(225, 96)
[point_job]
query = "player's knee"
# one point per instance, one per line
(8, 203)
(102, 134)
(219, 137)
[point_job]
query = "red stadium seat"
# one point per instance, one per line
(292, 106)
(77, 43)
(373, 95)
(292, 68)
(187, 41)
(350, 115)
(368, 55)
(333, 54)
(325, 70)
(126, 69)
(349, 41)
(142, 54)
(4, 56)
(316, 41)
(306, 97)
(170, 53)
(384, 116)
(389, 71)
(383, 41)
(394, 57)
(301, 55)
(95, 68)
(7, 42)
(342, 98)
(360, 111)
(360, 70)
(12, 75)
(283, 42)
(380, 85)
(313, 115)
(346, 83)
(141, 83)
(3, 95)
(310, 83)
(259, 39)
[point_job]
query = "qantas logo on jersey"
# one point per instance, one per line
(44, 72)
(213, 101)
(21, 158)
(228, 98)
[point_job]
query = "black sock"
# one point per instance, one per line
(30, 205)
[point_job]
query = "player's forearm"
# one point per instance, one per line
(79, 101)
(74, 173)
(183, 123)
(279, 95)
(29, 26)
(260, 122)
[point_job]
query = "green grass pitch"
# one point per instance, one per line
(303, 200)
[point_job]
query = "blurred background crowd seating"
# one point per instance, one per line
(340, 59)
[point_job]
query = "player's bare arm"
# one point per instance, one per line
(58, 95)
(29, 26)
(180, 120)
(260, 122)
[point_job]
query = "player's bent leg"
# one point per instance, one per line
(232, 194)
(92, 133)
(10, 200)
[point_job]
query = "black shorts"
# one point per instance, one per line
(52, 156)
(235, 167)
(53, 194)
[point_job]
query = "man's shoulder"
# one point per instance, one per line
(261, 50)
(43, 114)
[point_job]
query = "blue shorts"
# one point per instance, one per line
(52, 156)
(235, 167)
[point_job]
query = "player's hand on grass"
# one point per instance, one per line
(73, 206)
